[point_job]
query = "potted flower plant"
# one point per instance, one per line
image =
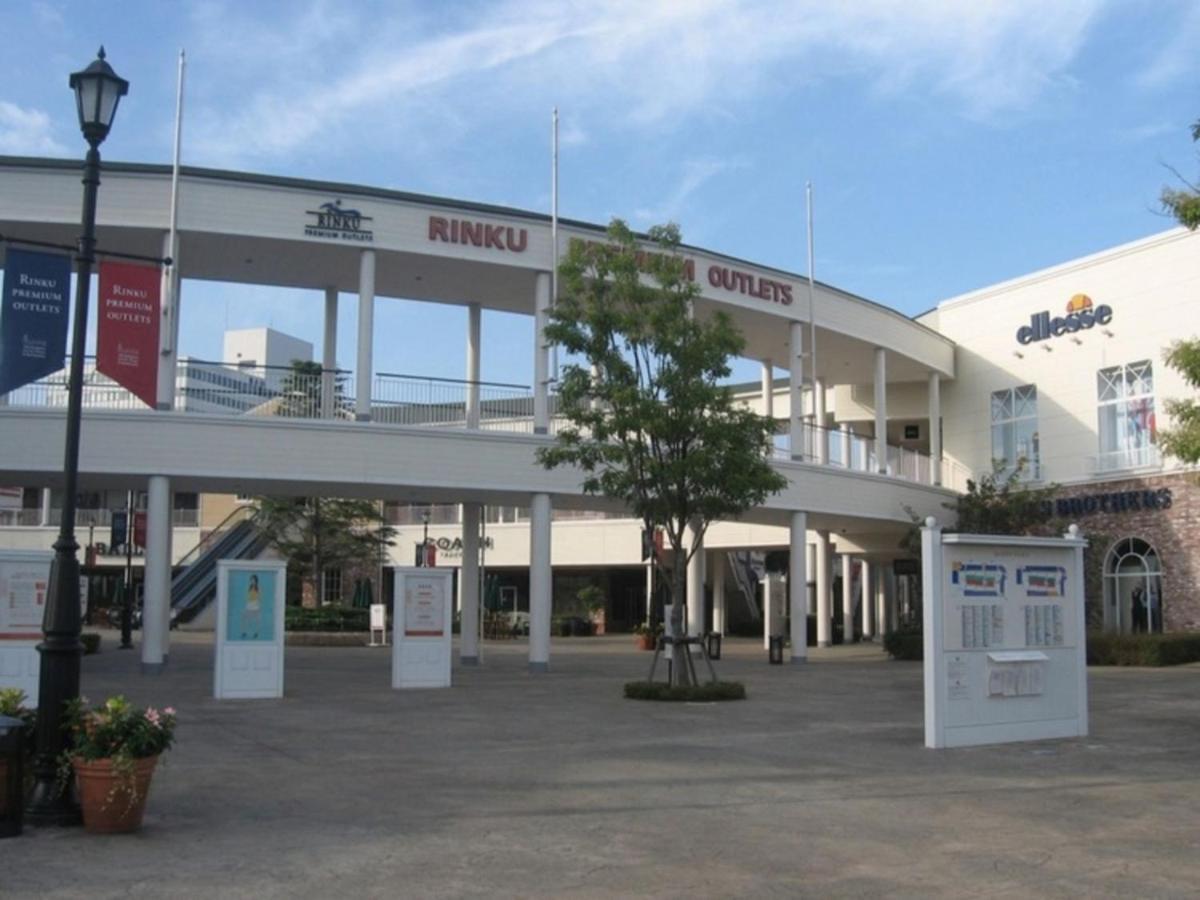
(645, 637)
(115, 749)
(12, 704)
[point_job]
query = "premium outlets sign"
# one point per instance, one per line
(1080, 316)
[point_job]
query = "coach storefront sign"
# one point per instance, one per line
(1115, 502)
(332, 220)
(1080, 317)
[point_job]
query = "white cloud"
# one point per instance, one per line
(694, 174)
(27, 132)
(1176, 58)
(639, 65)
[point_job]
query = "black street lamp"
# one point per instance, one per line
(98, 89)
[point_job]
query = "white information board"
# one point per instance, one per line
(1005, 644)
(424, 603)
(24, 582)
(250, 600)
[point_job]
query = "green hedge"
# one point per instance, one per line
(904, 643)
(1142, 649)
(326, 618)
(91, 642)
(700, 693)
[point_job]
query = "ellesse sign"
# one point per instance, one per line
(1080, 317)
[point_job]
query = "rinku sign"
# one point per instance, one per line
(33, 316)
(1080, 317)
(1116, 502)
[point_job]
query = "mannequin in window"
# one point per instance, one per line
(1137, 609)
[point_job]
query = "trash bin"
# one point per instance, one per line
(713, 645)
(775, 651)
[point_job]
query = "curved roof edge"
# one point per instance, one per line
(340, 187)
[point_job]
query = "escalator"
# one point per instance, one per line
(194, 578)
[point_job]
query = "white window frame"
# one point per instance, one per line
(1010, 408)
(1128, 391)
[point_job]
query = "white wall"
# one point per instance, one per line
(1152, 287)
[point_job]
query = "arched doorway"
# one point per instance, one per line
(1132, 588)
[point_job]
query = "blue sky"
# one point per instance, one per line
(951, 144)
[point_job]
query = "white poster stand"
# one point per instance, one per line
(249, 656)
(424, 603)
(1005, 638)
(378, 625)
(24, 582)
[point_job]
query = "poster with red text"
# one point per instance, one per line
(127, 328)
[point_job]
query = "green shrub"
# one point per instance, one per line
(700, 693)
(1142, 649)
(91, 642)
(906, 642)
(326, 618)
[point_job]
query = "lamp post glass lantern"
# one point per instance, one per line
(98, 90)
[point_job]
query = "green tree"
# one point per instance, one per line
(316, 533)
(1183, 441)
(650, 422)
(1184, 204)
(301, 391)
(1001, 503)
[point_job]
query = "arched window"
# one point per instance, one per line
(1132, 588)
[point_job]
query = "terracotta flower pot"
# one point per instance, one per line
(646, 641)
(104, 795)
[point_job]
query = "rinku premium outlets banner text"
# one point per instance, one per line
(33, 316)
(127, 328)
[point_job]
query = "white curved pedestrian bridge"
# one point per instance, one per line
(863, 379)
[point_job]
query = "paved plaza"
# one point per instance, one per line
(516, 785)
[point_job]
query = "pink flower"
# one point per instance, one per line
(152, 716)
(170, 710)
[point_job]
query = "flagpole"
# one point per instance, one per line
(554, 234)
(170, 331)
(812, 322)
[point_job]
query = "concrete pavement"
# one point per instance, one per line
(515, 785)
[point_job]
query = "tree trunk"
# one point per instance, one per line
(680, 668)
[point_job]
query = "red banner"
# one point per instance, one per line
(139, 528)
(127, 328)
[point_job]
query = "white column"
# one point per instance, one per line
(168, 340)
(819, 416)
(541, 355)
(881, 409)
(881, 598)
(156, 596)
(796, 390)
(45, 512)
(768, 611)
(695, 590)
(847, 445)
(717, 579)
(798, 586)
(473, 345)
(366, 335)
(824, 593)
(540, 583)
(469, 620)
(847, 599)
(935, 427)
(768, 388)
(329, 354)
(868, 602)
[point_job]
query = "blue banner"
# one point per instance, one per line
(33, 316)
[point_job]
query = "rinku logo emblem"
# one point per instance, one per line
(337, 221)
(1080, 316)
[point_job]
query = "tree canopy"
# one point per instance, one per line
(1184, 204)
(1183, 440)
(650, 421)
(317, 533)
